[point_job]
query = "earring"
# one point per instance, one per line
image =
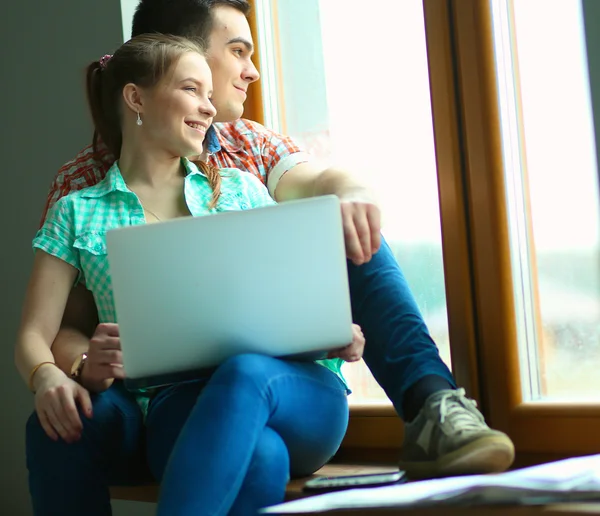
(139, 120)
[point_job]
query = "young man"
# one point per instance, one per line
(444, 434)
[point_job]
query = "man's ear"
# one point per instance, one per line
(134, 98)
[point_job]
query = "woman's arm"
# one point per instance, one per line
(47, 293)
(56, 394)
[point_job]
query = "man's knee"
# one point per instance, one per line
(42, 451)
(34, 432)
(117, 422)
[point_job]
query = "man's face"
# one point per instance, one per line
(229, 52)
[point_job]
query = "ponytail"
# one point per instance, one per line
(104, 110)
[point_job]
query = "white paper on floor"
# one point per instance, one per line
(566, 480)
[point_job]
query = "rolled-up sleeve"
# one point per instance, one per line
(280, 154)
(55, 237)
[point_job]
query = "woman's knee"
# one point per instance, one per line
(303, 465)
(270, 459)
(246, 370)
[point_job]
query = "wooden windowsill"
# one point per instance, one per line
(149, 493)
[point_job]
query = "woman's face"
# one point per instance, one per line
(177, 112)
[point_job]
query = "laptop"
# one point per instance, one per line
(191, 292)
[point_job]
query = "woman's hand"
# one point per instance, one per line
(353, 352)
(56, 399)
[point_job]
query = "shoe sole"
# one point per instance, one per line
(493, 454)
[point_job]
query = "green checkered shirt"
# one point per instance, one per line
(75, 228)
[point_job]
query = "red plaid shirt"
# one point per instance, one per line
(244, 144)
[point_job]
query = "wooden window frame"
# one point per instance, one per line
(540, 430)
(477, 262)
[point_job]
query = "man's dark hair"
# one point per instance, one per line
(187, 18)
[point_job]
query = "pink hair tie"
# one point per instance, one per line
(104, 60)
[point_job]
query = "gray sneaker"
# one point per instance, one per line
(450, 437)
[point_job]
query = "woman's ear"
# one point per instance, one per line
(133, 97)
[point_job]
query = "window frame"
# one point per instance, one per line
(254, 105)
(537, 428)
(477, 262)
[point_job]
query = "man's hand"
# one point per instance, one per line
(353, 352)
(362, 227)
(56, 399)
(104, 359)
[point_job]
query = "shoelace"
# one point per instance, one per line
(453, 404)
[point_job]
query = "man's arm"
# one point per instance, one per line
(289, 173)
(81, 333)
(77, 327)
(361, 215)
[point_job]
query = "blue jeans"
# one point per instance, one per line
(399, 349)
(226, 445)
(72, 479)
(258, 420)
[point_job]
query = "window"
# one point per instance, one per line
(517, 182)
(357, 95)
(552, 194)
(491, 138)
(127, 10)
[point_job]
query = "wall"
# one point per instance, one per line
(44, 122)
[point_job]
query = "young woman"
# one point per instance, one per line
(223, 445)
